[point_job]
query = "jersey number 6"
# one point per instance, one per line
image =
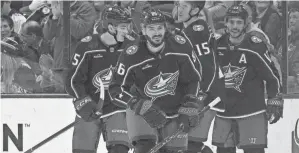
(203, 49)
(121, 69)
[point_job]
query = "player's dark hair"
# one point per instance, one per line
(33, 27)
(8, 20)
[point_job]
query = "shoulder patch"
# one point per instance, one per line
(217, 36)
(86, 39)
(180, 39)
(255, 39)
(132, 50)
(198, 28)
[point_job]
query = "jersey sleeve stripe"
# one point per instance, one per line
(75, 73)
(200, 65)
(77, 68)
(266, 64)
(215, 70)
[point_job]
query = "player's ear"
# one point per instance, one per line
(195, 11)
(142, 28)
(111, 28)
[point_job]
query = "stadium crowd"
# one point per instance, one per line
(33, 58)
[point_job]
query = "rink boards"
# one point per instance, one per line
(29, 121)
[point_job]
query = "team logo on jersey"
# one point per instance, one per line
(105, 76)
(180, 39)
(132, 50)
(86, 39)
(198, 27)
(234, 76)
(161, 85)
(255, 39)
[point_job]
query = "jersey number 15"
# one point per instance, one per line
(203, 49)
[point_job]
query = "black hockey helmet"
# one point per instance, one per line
(152, 16)
(115, 15)
(237, 11)
(199, 4)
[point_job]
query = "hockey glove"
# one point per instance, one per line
(274, 109)
(189, 112)
(87, 109)
(153, 115)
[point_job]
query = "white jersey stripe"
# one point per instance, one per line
(77, 68)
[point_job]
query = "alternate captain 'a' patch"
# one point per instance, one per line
(132, 50)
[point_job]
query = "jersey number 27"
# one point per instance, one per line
(203, 49)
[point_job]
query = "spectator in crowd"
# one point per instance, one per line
(267, 18)
(17, 18)
(34, 5)
(16, 75)
(37, 52)
(217, 10)
(293, 49)
(82, 20)
(36, 49)
(99, 7)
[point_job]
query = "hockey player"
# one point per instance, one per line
(94, 62)
(199, 35)
(167, 84)
(246, 65)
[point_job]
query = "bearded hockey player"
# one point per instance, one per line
(246, 65)
(93, 63)
(199, 35)
(167, 83)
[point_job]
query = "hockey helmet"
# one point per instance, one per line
(199, 4)
(152, 16)
(115, 15)
(237, 11)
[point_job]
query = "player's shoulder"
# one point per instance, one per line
(131, 48)
(176, 39)
(90, 42)
(199, 26)
(256, 43)
(221, 39)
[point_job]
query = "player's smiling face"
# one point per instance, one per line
(235, 26)
(122, 30)
(155, 33)
(183, 11)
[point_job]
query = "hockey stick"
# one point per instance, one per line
(181, 128)
(102, 96)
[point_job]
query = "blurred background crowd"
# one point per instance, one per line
(33, 55)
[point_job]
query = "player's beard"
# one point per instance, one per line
(155, 40)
